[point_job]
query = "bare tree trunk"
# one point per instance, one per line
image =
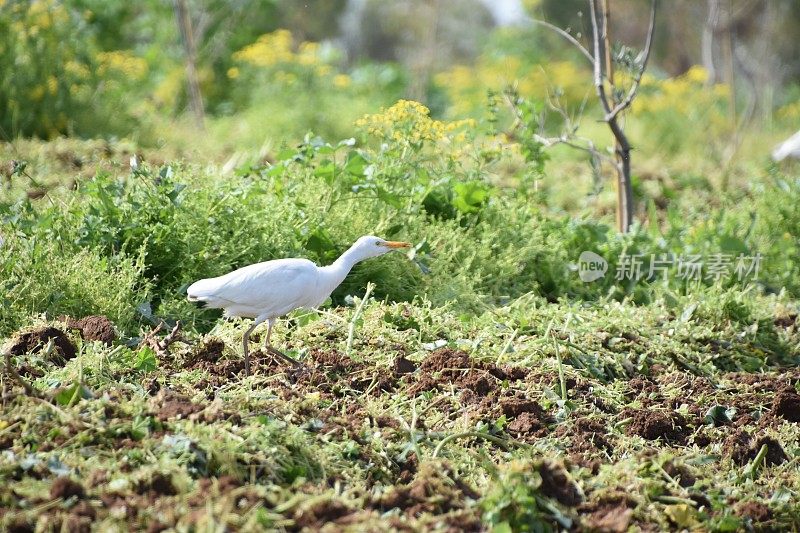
(193, 85)
(623, 199)
(602, 66)
(710, 29)
(613, 109)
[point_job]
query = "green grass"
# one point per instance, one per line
(615, 416)
(294, 442)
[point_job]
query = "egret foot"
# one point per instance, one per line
(294, 362)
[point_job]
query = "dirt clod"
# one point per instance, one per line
(159, 484)
(757, 512)
(513, 407)
(404, 366)
(557, 485)
(610, 519)
(653, 425)
(168, 404)
(526, 424)
(321, 513)
(34, 341)
(775, 454)
(742, 449)
(210, 350)
(787, 405)
(95, 328)
(476, 378)
(64, 487)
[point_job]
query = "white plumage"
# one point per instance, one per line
(788, 148)
(268, 290)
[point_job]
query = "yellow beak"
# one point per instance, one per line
(397, 244)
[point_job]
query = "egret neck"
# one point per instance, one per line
(332, 275)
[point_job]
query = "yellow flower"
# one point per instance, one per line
(696, 74)
(269, 49)
(342, 81)
(122, 62)
(37, 93)
(409, 123)
(233, 73)
(52, 84)
(308, 53)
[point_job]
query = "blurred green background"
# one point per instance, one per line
(264, 129)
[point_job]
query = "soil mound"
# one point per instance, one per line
(653, 425)
(787, 405)
(742, 448)
(447, 366)
(557, 485)
(95, 328)
(34, 341)
(64, 487)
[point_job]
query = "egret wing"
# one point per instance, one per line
(273, 288)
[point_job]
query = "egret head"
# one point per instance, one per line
(371, 246)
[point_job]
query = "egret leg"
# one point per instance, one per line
(246, 343)
(273, 351)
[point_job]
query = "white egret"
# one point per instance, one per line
(788, 148)
(268, 290)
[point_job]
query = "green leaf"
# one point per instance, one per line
(140, 427)
(729, 523)
(146, 360)
(304, 317)
(470, 196)
(732, 245)
(719, 415)
(320, 243)
(326, 170)
(502, 527)
(389, 198)
(355, 163)
(75, 392)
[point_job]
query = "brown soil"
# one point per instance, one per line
(34, 341)
(332, 372)
(168, 404)
(775, 454)
(653, 425)
(526, 424)
(681, 474)
(587, 435)
(610, 514)
(786, 321)
(557, 484)
(94, 328)
(608, 519)
(757, 512)
(435, 489)
(224, 484)
(159, 485)
(742, 449)
(475, 379)
(64, 487)
(210, 350)
(787, 405)
(403, 366)
(321, 513)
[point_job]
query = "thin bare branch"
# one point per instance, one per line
(161, 346)
(597, 60)
(566, 36)
(638, 79)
